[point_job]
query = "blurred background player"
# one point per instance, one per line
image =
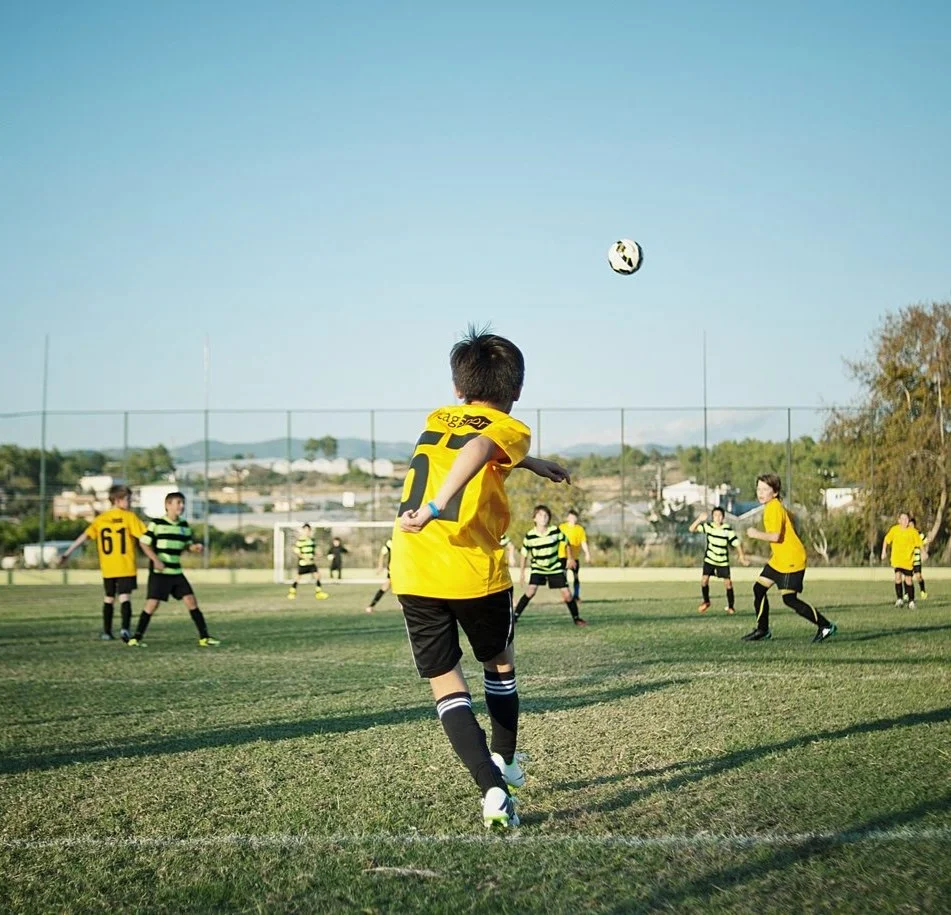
(305, 549)
(540, 548)
(902, 538)
(509, 547)
(716, 558)
(170, 536)
(336, 554)
(920, 553)
(382, 563)
(578, 541)
(116, 533)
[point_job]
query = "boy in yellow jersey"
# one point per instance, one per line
(920, 553)
(786, 567)
(903, 538)
(448, 566)
(382, 564)
(116, 532)
(578, 541)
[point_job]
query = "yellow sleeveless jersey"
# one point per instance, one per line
(116, 533)
(459, 554)
(788, 555)
(576, 536)
(903, 541)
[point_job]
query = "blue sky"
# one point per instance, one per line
(331, 192)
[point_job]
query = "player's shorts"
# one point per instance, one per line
(785, 581)
(306, 570)
(716, 571)
(432, 624)
(162, 587)
(916, 569)
(552, 579)
(904, 571)
(125, 584)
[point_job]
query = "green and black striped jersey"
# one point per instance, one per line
(169, 539)
(306, 550)
(542, 550)
(720, 537)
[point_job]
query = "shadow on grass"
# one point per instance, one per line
(889, 633)
(671, 893)
(50, 758)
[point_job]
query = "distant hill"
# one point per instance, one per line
(605, 450)
(348, 448)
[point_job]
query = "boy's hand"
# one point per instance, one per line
(196, 548)
(158, 565)
(702, 516)
(61, 561)
(413, 522)
(551, 471)
(572, 563)
(745, 560)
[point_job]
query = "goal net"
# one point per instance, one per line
(362, 539)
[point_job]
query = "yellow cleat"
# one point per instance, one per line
(135, 643)
(208, 642)
(321, 595)
(292, 594)
(924, 595)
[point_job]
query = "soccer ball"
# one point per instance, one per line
(625, 256)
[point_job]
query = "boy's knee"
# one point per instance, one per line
(759, 590)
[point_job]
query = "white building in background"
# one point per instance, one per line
(688, 492)
(150, 500)
(381, 467)
(96, 484)
(841, 497)
(52, 550)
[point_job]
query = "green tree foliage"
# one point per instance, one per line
(898, 438)
(148, 465)
(327, 446)
(526, 490)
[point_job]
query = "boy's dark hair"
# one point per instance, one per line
(541, 508)
(572, 511)
(175, 495)
(487, 367)
(911, 519)
(772, 481)
(305, 525)
(720, 509)
(119, 491)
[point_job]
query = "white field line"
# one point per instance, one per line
(303, 840)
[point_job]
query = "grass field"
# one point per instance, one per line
(300, 767)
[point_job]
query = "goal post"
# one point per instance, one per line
(363, 540)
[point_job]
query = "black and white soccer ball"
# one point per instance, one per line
(625, 257)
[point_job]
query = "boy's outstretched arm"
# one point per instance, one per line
(472, 457)
(78, 542)
(548, 469)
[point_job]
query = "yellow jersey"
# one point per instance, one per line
(116, 533)
(459, 554)
(787, 554)
(575, 535)
(903, 541)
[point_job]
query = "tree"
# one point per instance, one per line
(311, 447)
(146, 465)
(327, 446)
(897, 439)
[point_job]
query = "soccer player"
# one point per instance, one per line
(170, 536)
(920, 552)
(578, 541)
(786, 567)
(305, 549)
(541, 546)
(383, 563)
(509, 547)
(448, 566)
(903, 538)
(336, 554)
(716, 558)
(116, 533)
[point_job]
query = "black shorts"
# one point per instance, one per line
(125, 584)
(306, 570)
(907, 572)
(162, 587)
(916, 569)
(785, 581)
(553, 579)
(432, 624)
(716, 571)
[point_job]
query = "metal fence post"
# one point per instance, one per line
(205, 556)
(622, 468)
(789, 455)
(290, 485)
(46, 362)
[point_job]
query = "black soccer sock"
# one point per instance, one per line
(921, 584)
(317, 584)
(806, 611)
(898, 589)
(199, 620)
(144, 620)
(761, 606)
(522, 604)
(501, 699)
(705, 593)
(107, 617)
(730, 597)
(376, 597)
(468, 740)
(293, 585)
(910, 590)
(126, 609)
(573, 608)
(576, 590)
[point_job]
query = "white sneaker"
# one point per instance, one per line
(512, 772)
(899, 602)
(498, 810)
(911, 605)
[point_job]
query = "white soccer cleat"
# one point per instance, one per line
(911, 605)
(899, 602)
(498, 810)
(512, 772)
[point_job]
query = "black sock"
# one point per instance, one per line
(376, 597)
(806, 611)
(705, 593)
(293, 585)
(468, 740)
(898, 589)
(921, 585)
(522, 604)
(317, 584)
(199, 620)
(730, 598)
(107, 617)
(573, 608)
(126, 614)
(761, 606)
(501, 699)
(910, 590)
(144, 620)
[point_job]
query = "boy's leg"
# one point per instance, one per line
(125, 609)
(524, 599)
(910, 589)
(761, 605)
(899, 590)
(108, 605)
(576, 584)
(572, 607)
(198, 618)
(501, 699)
(292, 590)
(730, 596)
(145, 617)
(921, 584)
(704, 594)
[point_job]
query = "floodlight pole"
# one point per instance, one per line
(706, 453)
(207, 540)
(46, 365)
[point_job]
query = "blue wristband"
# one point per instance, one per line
(432, 508)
